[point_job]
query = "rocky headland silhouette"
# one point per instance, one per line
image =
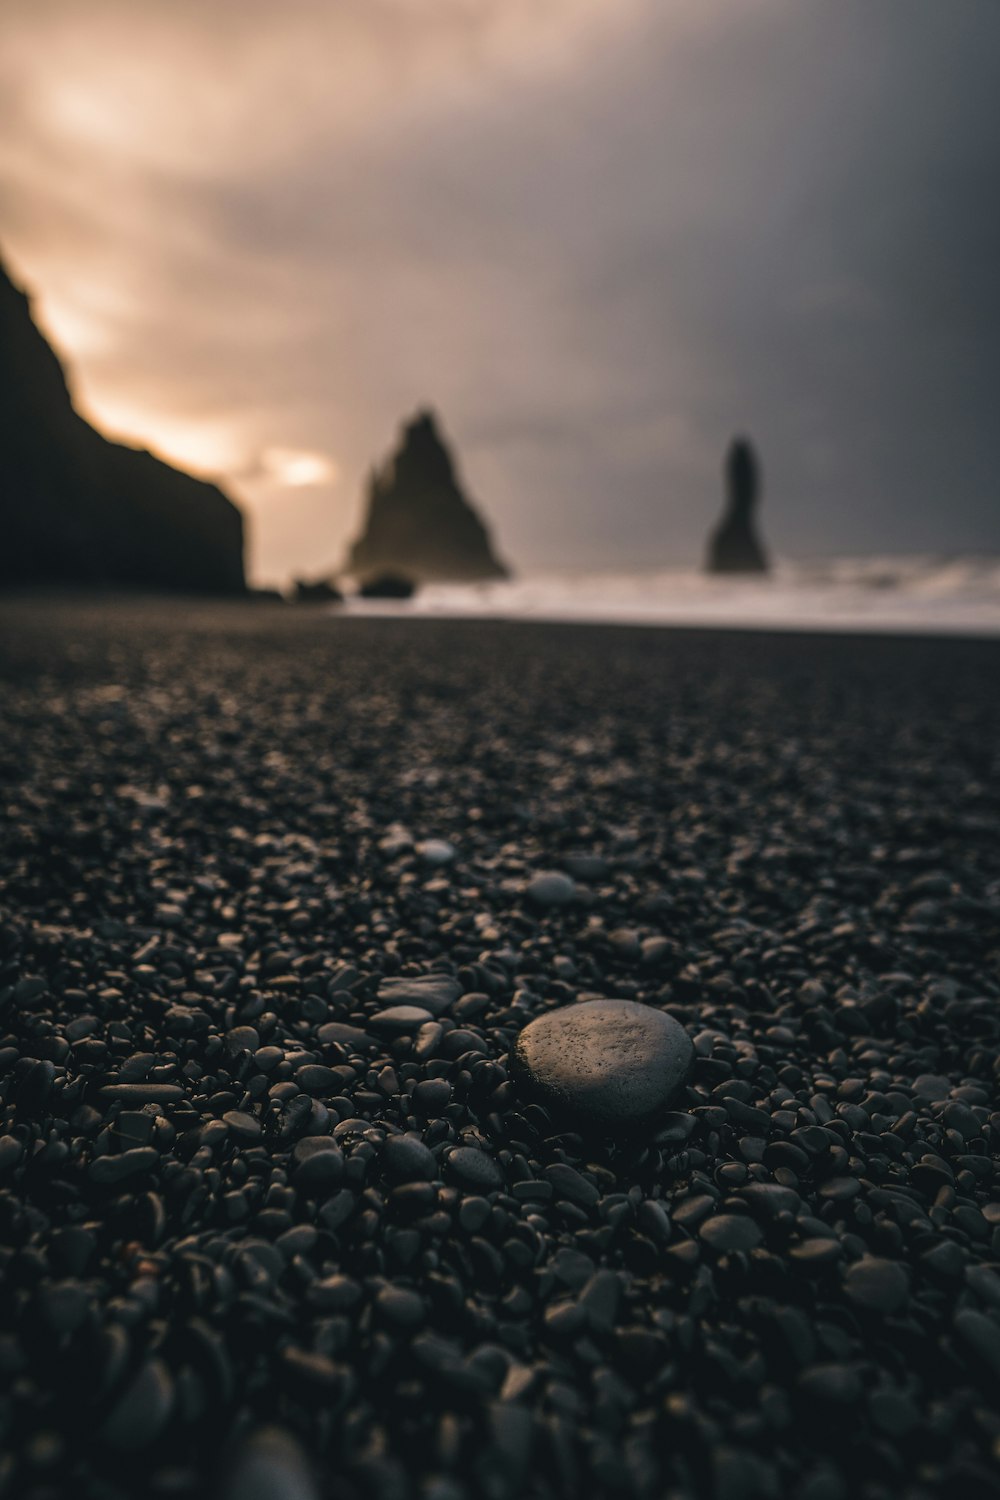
(734, 546)
(418, 523)
(79, 509)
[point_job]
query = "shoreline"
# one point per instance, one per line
(205, 612)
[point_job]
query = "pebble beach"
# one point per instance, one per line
(294, 1206)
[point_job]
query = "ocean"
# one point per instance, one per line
(904, 593)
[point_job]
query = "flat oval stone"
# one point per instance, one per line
(408, 1159)
(876, 1284)
(400, 1018)
(435, 851)
(433, 992)
(243, 1126)
(346, 1036)
(318, 1161)
(474, 1169)
(727, 1232)
(608, 1065)
(551, 888)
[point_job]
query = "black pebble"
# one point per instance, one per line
(474, 1169)
(142, 1411)
(408, 1159)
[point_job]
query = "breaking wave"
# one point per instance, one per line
(914, 594)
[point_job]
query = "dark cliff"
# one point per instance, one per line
(76, 508)
(418, 521)
(734, 546)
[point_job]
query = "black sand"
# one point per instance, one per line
(792, 1286)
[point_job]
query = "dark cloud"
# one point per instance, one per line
(599, 238)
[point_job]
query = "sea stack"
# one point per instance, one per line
(418, 523)
(734, 546)
(76, 508)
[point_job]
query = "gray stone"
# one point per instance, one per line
(409, 1160)
(433, 992)
(400, 1018)
(551, 888)
(435, 852)
(607, 1064)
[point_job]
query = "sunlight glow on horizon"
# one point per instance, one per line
(209, 449)
(297, 468)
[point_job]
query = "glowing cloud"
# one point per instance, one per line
(296, 468)
(210, 448)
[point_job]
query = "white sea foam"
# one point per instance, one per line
(957, 595)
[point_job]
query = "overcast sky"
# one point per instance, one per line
(598, 236)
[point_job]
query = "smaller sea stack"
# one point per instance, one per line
(418, 522)
(734, 546)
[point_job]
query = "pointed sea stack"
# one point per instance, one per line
(419, 523)
(734, 546)
(77, 509)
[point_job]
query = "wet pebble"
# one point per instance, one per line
(435, 852)
(572, 1185)
(979, 1335)
(432, 1095)
(474, 1169)
(400, 1018)
(269, 1465)
(551, 888)
(108, 1170)
(143, 1093)
(877, 1285)
(435, 993)
(141, 1412)
(318, 1162)
(399, 1307)
(243, 1127)
(831, 1385)
(408, 1159)
(725, 1233)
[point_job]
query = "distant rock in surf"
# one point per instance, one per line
(387, 586)
(316, 591)
(418, 522)
(78, 509)
(733, 546)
